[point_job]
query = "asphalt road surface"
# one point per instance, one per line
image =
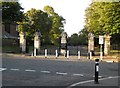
(44, 72)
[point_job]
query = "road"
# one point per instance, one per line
(44, 72)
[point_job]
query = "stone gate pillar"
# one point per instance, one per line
(107, 44)
(90, 42)
(37, 42)
(63, 45)
(22, 42)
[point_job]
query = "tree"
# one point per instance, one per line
(78, 39)
(35, 20)
(38, 21)
(83, 37)
(57, 24)
(103, 18)
(50, 24)
(11, 12)
(49, 10)
(74, 39)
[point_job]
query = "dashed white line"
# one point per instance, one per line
(61, 73)
(3, 69)
(45, 71)
(78, 74)
(29, 70)
(14, 69)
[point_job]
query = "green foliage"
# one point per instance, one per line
(11, 12)
(103, 18)
(57, 24)
(83, 37)
(35, 20)
(49, 23)
(80, 39)
(22, 26)
(49, 10)
(38, 21)
(74, 39)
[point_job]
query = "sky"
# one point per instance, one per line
(72, 10)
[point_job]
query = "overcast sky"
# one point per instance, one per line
(72, 10)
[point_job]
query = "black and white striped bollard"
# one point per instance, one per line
(96, 71)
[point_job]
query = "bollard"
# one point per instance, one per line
(56, 54)
(90, 55)
(67, 54)
(96, 71)
(45, 53)
(35, 51)
(78, 54)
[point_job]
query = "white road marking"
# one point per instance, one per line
(61, 73)
(29, 70)
(110, 78)
(83, 82)
(109, 61)
(14, 69)
(98, 76)
(45, 71)
(78, 74)
(75, 84)
(3, 69)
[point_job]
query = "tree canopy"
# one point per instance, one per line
(103, 18)
(11, 12)
(49, 23)
(57, 24)
(78, 39)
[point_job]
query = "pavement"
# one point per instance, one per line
(109, 59)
